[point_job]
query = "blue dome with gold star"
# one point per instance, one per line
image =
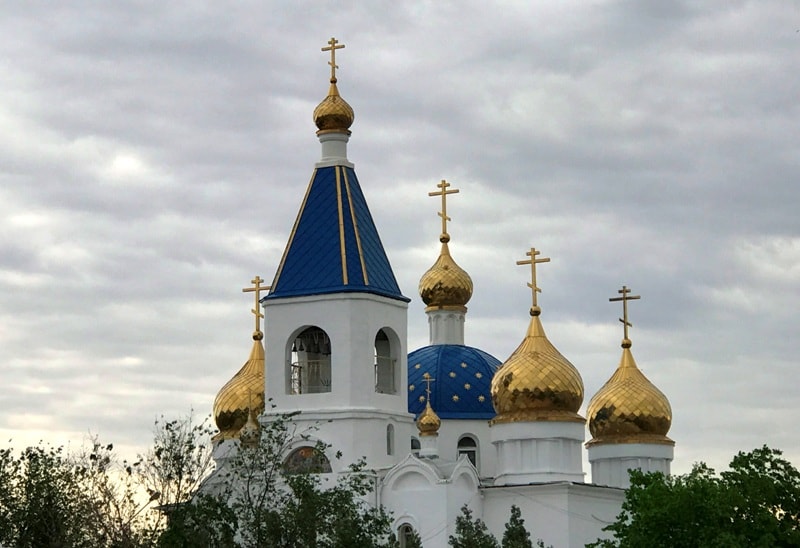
(462, 377)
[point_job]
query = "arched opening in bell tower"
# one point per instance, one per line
(309, 367)
(386, 364)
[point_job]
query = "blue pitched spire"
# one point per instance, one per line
(334, 246)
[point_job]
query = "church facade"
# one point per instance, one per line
(445, 425)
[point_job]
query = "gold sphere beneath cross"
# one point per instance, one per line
(445, 284)
(333, 113)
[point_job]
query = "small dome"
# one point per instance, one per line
(445, 284)
(333, 113)
(462, 377)
(629, 408)
(537, 383)
(250, 434)
(428, 422)
(232, 405)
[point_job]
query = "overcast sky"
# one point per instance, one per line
(153, 156)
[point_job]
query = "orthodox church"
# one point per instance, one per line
(444, 425)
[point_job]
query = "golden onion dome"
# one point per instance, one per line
(232, 405)
(428, 422)
(445, 284)
(629, 408)
(537, 383)
(333, 113)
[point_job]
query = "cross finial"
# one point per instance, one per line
(443, 192)
(626, 342)
(428, 380)
(533, 261)
(257, 289)
(332, 47)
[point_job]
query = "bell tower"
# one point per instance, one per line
(335, 319)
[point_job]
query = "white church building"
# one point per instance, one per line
(447, 424)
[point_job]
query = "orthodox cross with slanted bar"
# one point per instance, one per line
(332, 47)
(443, 192)
(625, 298)
(428, 381)
(257, 289)
(533, 261)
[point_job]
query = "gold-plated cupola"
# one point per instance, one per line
(428, 422)
(445, 285)
(243, 395)
(629, 408)
(333, 114)
(536, 383)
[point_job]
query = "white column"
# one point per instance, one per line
(334, 149)
(446, 326)
(429, 446)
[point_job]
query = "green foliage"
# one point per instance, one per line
(42, 502)
(515, 535)
(471, 533)
(206, 521)
(277, 508)
(50, 497)
(755, 503)
(413, 540)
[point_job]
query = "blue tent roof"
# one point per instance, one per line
(462, 381)
(334, 246)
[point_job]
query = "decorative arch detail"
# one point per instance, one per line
(307, 459)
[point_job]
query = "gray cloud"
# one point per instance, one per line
(153, 157)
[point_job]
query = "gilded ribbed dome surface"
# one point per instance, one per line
(333, 113)
(246, 388)
(428, 422)
(537, 383)
(445, 284)
(629, 408)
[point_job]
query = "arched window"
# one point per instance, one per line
(415, 446)
(385, 374)
(310, 362)
(307, 460)
(467, 446)
(405, 534)
(390, 439)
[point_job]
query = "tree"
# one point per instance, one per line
(42, 502)
(287, 502)
(755, 503)
(515, 535)
(471, 533)
(50, 497)
(134, 501)
(91, 498)
(411, 540)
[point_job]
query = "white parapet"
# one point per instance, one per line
(612, 461)
(533, 452)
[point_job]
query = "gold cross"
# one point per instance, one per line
(257, 289)
(533, 261)
(428, 381)
(443, 192)
(625, 298)
(332, 47)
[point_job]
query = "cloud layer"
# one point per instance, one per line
(153, 157)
